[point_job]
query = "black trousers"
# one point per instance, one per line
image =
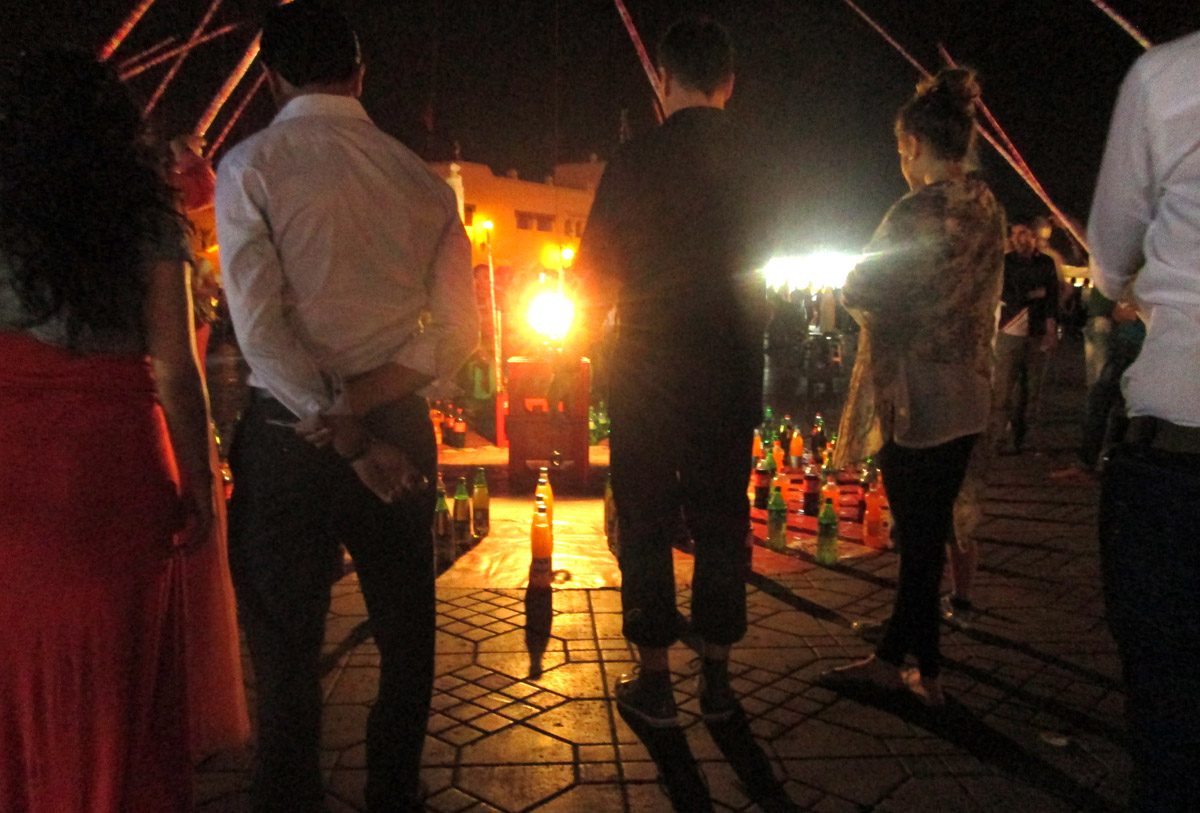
(1149, 529)
(921, 487)
(292, 506)
(661, 468)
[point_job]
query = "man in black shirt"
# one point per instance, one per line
(1028, 331)
(671, 243)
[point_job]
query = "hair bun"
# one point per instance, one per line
(959, 84)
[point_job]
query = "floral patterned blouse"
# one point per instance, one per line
(926, 295)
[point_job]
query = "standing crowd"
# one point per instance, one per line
(348, 279)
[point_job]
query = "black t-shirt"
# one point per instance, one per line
(678, 221)
(1021, 277)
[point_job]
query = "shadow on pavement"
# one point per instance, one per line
(539, 618)
(750, 763)
(677, 768)
(957, 724)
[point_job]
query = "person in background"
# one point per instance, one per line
(1028, 332)
(1145, 229)
(106, 480)
(926, 298)
(671, 242)
(1104, 410)
(336, 238)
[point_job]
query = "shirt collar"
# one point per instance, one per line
(322, 104)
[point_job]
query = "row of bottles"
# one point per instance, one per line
(791, 474)
(457, 528)
(449, 425)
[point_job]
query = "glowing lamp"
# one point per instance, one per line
(823, 269)
(550, 315)
(568, 254)
(487, 225)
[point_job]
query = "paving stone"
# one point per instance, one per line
(815, 738)
(533, 747)
(578, 681)
(582, 722)
(515, 787)
(586, 799)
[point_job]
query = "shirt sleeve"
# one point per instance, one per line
(254, 289)
(1125, 192)
(903, 250)
(452, 332)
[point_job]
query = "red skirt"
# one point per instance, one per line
(92, 683)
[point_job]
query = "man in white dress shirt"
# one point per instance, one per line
(1145, 223)
(336, 239)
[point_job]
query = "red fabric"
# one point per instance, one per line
(194, 179)
(92, 687)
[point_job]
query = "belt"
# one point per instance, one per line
(1165, 436)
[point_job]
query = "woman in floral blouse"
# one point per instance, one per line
(925, 295)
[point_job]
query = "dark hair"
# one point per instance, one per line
(309, 42)
(698, 51)
(82, 196)
(942, 113)
(1027, 219)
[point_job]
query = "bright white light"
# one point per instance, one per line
(550, 314)
(824, 269)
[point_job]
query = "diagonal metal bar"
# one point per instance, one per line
(132, 68)
(1018, 165)
(130, 61)
(1120, 20)
(237, 114)
(114, 42)
(197, 33)
(647, 65)
(231, 83)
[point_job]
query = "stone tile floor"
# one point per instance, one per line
(523, 717)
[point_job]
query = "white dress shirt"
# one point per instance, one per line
(1146, 215)
(335, 238)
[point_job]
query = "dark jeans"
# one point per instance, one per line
(658, 469)
(292, 506)
(1105, 404)
(1150, 553)
(921, 486)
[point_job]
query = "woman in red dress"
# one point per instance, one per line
(105, 475)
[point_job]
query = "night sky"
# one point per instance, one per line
(522, 83)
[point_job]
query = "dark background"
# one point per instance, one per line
(525, 83)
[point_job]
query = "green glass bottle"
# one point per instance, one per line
(827, 535)
(462, 516)
(481, 505)
(777, 521)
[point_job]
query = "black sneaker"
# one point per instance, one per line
(718, 702)
(654, 707)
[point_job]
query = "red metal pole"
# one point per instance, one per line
(237, 113)
(114, 42)
(647, 65)
(132, 68)
(197, 33)
(231, 83)
(1129, 27)
(1018, 166)
(129, 61)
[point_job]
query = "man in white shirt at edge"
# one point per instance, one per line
(1145, 223)
(335, 239)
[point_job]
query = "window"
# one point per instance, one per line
(525, 220)
(545, 222)
(532, 220)
(568, 228)
(469, 214)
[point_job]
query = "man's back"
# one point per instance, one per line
(356, 220)
(676, 210)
